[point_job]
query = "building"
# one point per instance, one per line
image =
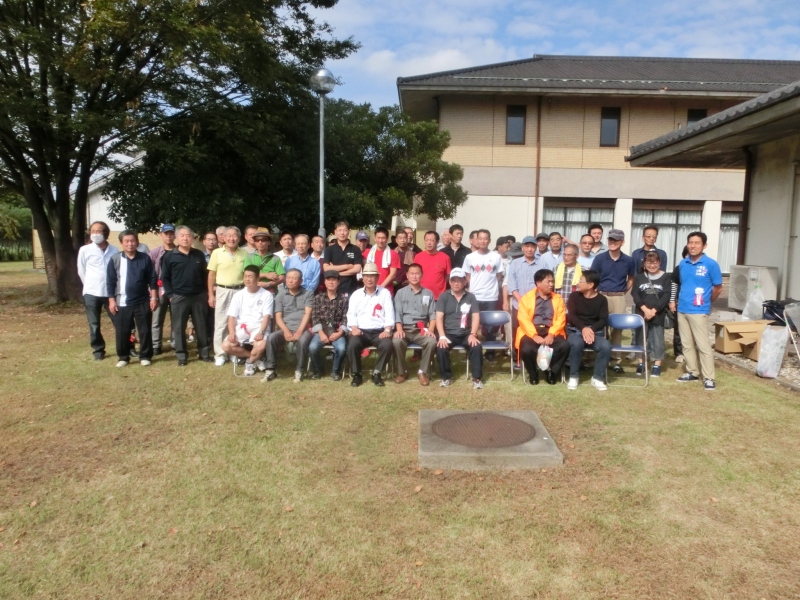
(542, 142)
(761, 136)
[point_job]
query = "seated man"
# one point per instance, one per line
(415, 322)
(458, 320)
(249, 313)
(587, 315)
(542, 318)
(370, 318)
(292, 320)
(329, 326)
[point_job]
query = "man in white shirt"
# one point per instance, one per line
(287, 247)
(555, 256)
(93, 261)
(484, 270)
(249, 313)
(370, 318)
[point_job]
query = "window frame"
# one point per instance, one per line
(610, 113)
(523, 109)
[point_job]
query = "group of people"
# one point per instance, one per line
(248, 303)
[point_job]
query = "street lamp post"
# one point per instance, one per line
(322, 82)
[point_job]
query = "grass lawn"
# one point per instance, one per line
(163, 482)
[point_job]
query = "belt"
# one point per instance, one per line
(613, 293)
(230, 287)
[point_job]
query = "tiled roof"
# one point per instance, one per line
(628, 73)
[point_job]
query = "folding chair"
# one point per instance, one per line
(631, 322)
(498, 318)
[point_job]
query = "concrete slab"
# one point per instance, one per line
(435, 452)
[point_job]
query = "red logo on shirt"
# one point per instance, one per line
(378, 308)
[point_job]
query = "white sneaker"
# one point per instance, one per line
(122, 363)
(679, 358)
(261, 365)
(599, 385)
(144, 363)
(220, 361)
(249, 369)
(445, 382)
(573, 383)
(190, 339)
(477, 384)
(298, 377)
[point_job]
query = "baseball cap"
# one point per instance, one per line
(515, 250)
(370, 269)
(331, 273)
(616, 234)
(543, 236)
(362, 235)
(457, 273)
(529, 239)
(262, 232)
(167, 227)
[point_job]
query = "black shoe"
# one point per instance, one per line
(316, 376)
(206, 359)
(357, 381)
(336, 376)
(618, 369)
(533, 379)
(100, 356)
(134, 353)
(183, 363)
(376, 379)
(551, 377)
(157, 351)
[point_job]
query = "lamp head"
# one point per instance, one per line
(322, 81)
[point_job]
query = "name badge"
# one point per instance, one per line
(426, 300)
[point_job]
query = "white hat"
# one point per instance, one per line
(457, 273)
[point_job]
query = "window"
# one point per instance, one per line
(728, 240)
(609, 126)
(515, 125)
(693, 115)
(572, 223)
(673, 227)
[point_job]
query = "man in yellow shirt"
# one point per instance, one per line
(225, 278)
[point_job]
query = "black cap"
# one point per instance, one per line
(331, 273)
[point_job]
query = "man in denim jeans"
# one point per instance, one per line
(328, 323)
(93, 261)
(587, 316)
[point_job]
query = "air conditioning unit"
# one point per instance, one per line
(745, 277)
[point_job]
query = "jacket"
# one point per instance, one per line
(527, 308)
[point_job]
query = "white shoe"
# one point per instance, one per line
(144, 363)
(122, 363)
(249, 369)
(220, 361)
(573, 383)
(190, 339)
(445, 382)
(298, 377)
(477, 384)
(261, 365)
(679, 358)
(599, 385)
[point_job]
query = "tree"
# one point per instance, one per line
(233, 165)
(82, 80)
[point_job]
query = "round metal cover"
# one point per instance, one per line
(484, 430)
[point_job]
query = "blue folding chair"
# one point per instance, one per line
(632, 322)
(498, 318)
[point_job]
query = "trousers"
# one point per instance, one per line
(474, 356)
(368, 337)
(140, 315)
(413, 336)
(94, 307)
(182, 308)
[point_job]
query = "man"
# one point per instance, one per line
(370, 318)
(183, 273)
(167, 236)
(209, 244)
(587, 315)
(292, 319)
(250, 245)
(616, 270)
(501, 246)
(700, 285)
(270, 267)
(93, 259)
(435, 265)
(305, 263)
(362, 241)
(132, 296)
(596, 231)
(456, 250)
(458, 320)
(542, 245)
(649, 237)
(445, 241)
(220, 232)
(405, 257)
(317, 251)
(411, 241)
(225, 278)
(554, 257)
(249, 313)
(586, 257)
(521, 279)
(567, 273)
(345, 258)
(286, 240)
(329, 326)
(387, 260)
(415, 323)
(473, 240)
(484, 270)
(542, 318)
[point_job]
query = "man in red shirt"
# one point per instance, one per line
(436, 265)
(387, 261)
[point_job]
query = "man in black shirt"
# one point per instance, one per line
(587, 315)
(345, 258)
(455, 249)
(184, 276)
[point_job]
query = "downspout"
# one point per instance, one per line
(744, 224)
(790, 233)
(538, 160)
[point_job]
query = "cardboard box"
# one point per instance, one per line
(728, 335)
(751, 345)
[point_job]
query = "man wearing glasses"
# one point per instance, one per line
(568, 273)
(649, 237)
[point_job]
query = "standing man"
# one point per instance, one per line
(649, 237)
(701, 284)
(551, 259)
(387, 260)
(329, 326)
(616, 270)
(568, 273)
(317, 251)
(345, 258)
(287, 247)
(435, 265)
(484, 270)
(542, 244)
(184, 277)
(473, 240)
(596, 231)
(304, 262)
(370, 318)
(456, 250)
(225, 278)
(270, 268)
(93, 259)
(458, 320)
(586, 257)
(362, 241)
(292, 319)
(521, 278)
(411, 241)
(445, 240)
(220, 233)
(209, 244)
(250, 245)
(160, 313)
(132, 296)
(406, 255)
(415, 322)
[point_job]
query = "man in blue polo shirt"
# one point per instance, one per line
(616, 270)
(701, 284)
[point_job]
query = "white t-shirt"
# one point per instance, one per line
(283, 256)
(249, 311)
(482, 270)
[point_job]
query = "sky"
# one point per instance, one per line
(402, 38)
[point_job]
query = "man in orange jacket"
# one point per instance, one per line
(542, 319)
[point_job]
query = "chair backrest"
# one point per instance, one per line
(625, 321)
(494, 318)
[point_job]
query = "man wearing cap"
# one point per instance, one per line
(167, 236)
(304, 262)
(456, 250)
(270, 267)
(249, 314)
(225, 278)
(345, 258)
(362, 241)
(415, 323)
(329, 326)
(542, 245)
(520, 280)
(435, 265)
(292, 319)
(458, 320)
(93, 259)
(370, 319)
(616, 270)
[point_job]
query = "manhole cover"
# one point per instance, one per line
(483, 430)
